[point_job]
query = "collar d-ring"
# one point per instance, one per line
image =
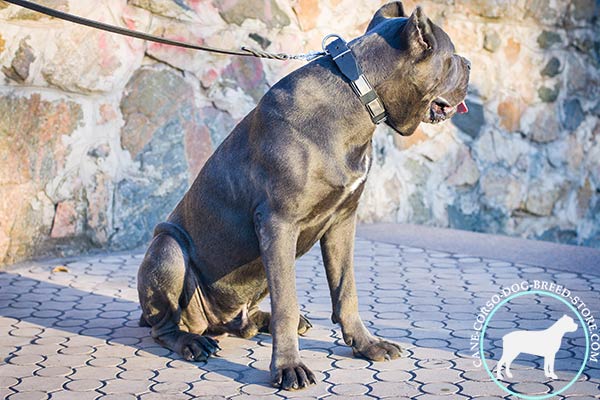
(326, 38)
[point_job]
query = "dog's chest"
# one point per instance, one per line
(356, 181)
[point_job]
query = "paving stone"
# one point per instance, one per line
(344, 376)
(4, 393)
(122, 386)
(69, 395)
(120, 396)
(161, 396)
(351, 389)
(225, 389)
(8, 381)
(62, 359)
(29, 359)
(394, 376)
(106, 361)
(84, 385)
(258, 390)
(171, 387)
(531, 388)
(39, 383)
(34, 395)
(172, 374)
(90, 372)
(440, 388)
(54, 371)
(436, 375)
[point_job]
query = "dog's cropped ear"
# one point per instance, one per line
(389, 10)
(419, 33)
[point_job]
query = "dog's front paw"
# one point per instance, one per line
(292, 377)
(378, 350)
(552, 375)
(194, 347)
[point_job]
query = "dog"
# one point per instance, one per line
(290, 174)
(543, 343)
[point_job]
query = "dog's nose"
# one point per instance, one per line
(467, 63)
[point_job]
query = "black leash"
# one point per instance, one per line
(245, 51)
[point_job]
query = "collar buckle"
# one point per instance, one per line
(344, 59)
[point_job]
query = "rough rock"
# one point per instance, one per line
(501, 189)
(512, 50)
(19, 66)
(584, 196)
(492, 41)
(489, 8)
(552, 68)
(546, 127)
(246, 73)
(161, 181)
(548, 95)
(198, 148)
(20, 13)
(2, 44)
(65, 220)
(579, 82)
(542, 194)
(144, 111)
(547, 39)
(31, 152)
(166, 8)
(471, 122)
(566, 236)
(572, 114)
(91, 61)
(267, 11)
(509, 112)
(157, 130)
(583, 9)
(467, 172)
(308, 12)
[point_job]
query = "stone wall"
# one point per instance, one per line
(100, 135)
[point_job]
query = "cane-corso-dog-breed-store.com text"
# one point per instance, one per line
(289, 175)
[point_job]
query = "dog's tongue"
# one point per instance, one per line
(462, 108)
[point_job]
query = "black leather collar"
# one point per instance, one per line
(345, 61)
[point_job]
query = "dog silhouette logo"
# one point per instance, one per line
(545, 343)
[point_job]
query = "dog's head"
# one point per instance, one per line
(568, 323)
(414, 68)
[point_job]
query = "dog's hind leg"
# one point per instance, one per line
(262, 320)
(499, 368)
(166, 288)
(509, 359)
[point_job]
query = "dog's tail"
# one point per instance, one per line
(181, 237)
(184, 241)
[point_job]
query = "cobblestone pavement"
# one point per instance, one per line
(74, 335)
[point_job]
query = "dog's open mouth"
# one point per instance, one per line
(440, 110)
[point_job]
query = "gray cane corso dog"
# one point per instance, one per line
(290, 174)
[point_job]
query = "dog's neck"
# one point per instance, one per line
(340, 102)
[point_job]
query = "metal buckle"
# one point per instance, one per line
(375, 108)
(361, 86)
